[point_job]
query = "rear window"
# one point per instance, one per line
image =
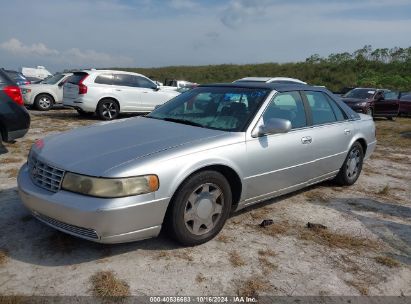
(76, 77)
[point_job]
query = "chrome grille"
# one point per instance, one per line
(80, 231)
(44, 175)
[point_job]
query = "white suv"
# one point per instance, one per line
(109, 93)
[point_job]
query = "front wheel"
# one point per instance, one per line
(107, 109)
(351, 169)
(43, 102)
(200, 208)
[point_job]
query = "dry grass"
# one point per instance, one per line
(267, 252)
(389, 132)
(361, 286)
(316, 196)
(276, 228)
(332, 239)
(200, 278)
(387, 261)
(252, 287)
(266, 265)
(12, 172)
(224, 238)
(168, 255)
(235, 259)
(12, 299)
(10, 160)
(3, 256)
(385, 190)
(106, 284)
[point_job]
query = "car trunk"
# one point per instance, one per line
(71, 88)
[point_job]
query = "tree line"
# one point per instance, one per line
(366, 67)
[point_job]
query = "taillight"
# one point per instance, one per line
(15, 94)
(82, 89)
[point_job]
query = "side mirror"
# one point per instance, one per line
(61, 84)
(273, 126)
(156, 88)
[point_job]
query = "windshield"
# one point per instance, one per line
(360, 93)
(53, 80)
(220, 108)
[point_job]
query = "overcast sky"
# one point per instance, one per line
(63, 34)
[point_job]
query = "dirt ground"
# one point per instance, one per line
(365, 250)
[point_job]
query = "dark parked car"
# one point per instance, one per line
(374, 102)
(14, 118)
(405, 105)
(17, 77)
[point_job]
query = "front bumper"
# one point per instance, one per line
(100, 220)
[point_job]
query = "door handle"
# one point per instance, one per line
(347, 132)
(306, 140)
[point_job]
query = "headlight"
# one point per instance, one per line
(362, 104)
(25, 91)
(110, 187)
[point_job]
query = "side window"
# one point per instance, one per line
(124, 80)
(320, 108)
(390, 95)
(337, 111)
(104, 79)
(145, 83)
(288, 105)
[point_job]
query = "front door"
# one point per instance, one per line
(279, 162)
(387, 104)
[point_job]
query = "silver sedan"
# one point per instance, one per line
(188, 164)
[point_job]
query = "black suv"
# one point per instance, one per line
(14, 118)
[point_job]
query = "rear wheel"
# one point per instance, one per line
(43, 102)
(200, 208)
(393, 118)
(107, 109)
(351, 169)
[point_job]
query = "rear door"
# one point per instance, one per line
(331, 133)
(127, 91)
(388, 105)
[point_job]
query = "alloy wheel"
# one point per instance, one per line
(203, 208)
(44, 102)
(109, 110)
(353, 163)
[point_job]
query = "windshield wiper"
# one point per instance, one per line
(183, 121)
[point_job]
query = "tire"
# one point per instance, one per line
(43, 102)
(107, 109)
(199, 208)
(83, 113)
(393, 118)
(352, 166)
(369, 112)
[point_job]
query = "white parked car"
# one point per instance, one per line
(45, 94)
(284, 80)
(109, 92)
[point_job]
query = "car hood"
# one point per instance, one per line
(98, 148)
(35, 86)
(353, 100)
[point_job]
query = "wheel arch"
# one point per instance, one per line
(54, 98)
(232, 176)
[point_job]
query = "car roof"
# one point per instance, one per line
(93, 71)
(280, 87)
(270, 79)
